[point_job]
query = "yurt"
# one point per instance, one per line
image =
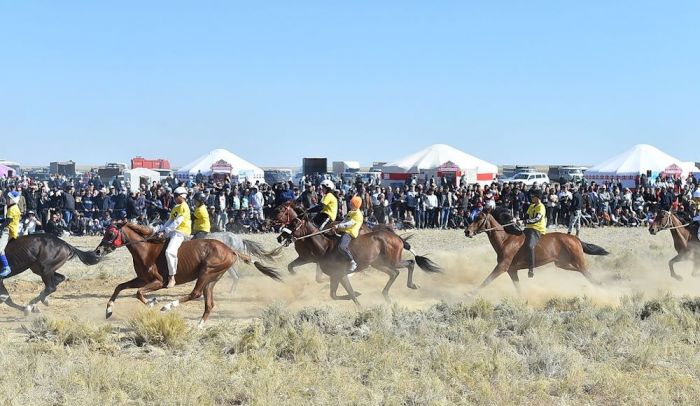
(220, 163)
(640, 159)
(439, 160)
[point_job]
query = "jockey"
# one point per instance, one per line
(9, 229)
(202, 225)
(535, 226)
(328, 205)
(696, 203)
(176, 228)
(350, 227)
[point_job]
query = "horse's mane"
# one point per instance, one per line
(141, 230)
(503, 216)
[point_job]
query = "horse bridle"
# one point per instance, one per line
(668, 225)
(486, 230)
(120, 239)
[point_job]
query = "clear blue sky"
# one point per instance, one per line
(507, 81)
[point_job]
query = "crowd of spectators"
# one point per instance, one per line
(87, 205)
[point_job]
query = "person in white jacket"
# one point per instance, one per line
(177, 228)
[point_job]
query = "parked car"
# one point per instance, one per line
(529, 178)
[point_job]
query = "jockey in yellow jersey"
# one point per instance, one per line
(9, 230)
(202, 225)
(177, 228)
(535, 227)
(328, 207)
(350, 227)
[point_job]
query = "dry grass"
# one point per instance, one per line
(569, 352)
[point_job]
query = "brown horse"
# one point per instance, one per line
(203, 260)
(380, 249)
(685, 240)
(288, 215)
(566, 251)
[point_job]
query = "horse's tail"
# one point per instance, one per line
(257, 250)
(270, 272)
(592, 249)
(86, 257)
(423, 262)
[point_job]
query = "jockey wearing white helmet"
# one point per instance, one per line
(176, 228)
(328, 207)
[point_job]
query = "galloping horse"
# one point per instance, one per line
(685, 240)
(380, 249)
(288, 216)
(566, 251)
(43, 254)
(204, 260)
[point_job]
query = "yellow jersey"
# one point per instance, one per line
(201, 219)
(532, 211)
(14, 215)
(182, 210)
(330, 205)
(358, 218)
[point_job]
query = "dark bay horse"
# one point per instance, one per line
(203, 260)
(566, 251)
(685, 240)
(289, 216)
(44, 254)
(380, 249)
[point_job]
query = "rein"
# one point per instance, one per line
(313, 234)
(497, 228)
(669, 222)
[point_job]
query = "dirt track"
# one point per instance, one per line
(637, 264)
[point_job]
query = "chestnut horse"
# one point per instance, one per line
(566, 251)
(203, 260)
(685, 240)
(380, 249)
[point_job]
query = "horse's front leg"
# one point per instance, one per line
(498, 270)
(678, 258)
(134, 283)
(149, 287)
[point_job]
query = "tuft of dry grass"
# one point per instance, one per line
(152, 327)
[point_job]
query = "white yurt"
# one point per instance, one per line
(630, 164)
(137, 176)
(439, 160)
(219, 163)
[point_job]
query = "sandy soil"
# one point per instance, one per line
(637, 264)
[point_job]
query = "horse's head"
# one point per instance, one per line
(112, 239)
(479, 225)
(662, 221)
(286, 214)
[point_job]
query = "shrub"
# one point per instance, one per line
(151, 327)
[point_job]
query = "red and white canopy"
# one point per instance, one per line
(437, 159)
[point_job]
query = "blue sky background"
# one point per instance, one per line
(507, 81)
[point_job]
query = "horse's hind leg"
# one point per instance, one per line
(208, 302)
(497, 271)
(393, 274)
(151, 286)
(49, 287)
(196, 293)
(410, 265)
(579, 267)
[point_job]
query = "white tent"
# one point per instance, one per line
(634, 162)
(223, 162)
(440, 160)
(134, 176)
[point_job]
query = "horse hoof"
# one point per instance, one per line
(677, 277)
(413, 286)
(152, 302)
(200, 325)
(28, 310)
(35, 309)
(45, 301)
(358, 294)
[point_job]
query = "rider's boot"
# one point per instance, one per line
(530, 273)
(4, 266)
(353, 266)
(171, 282)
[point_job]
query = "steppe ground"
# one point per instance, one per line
(634, 340)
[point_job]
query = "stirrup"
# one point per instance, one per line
(5, 272)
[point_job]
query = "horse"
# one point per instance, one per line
(380, 249)
(287, 216)
(203, 260)
(235, 242)
(44, 254)
(566, 251)
(685, 240)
